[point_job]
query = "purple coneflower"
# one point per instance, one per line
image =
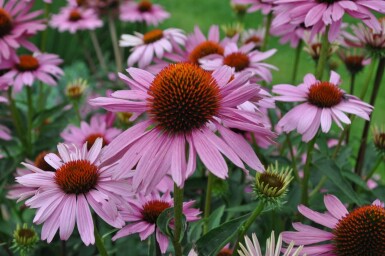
(143, 11)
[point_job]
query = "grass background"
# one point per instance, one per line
(188, 13)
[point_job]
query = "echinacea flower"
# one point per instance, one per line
(144, 213)
(354, 60)
(64, 197)
(318, 14)
(185, 104)
(17, 24)
(29, 68)
(89, 132)
(323, 102)
(241, 59)
(24, 239)
(252, 247)
(143, 11)
(356, 233)
(73, 19)
(256, 36)
(153, 43)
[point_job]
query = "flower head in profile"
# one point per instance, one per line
(73, 19)
(241, 59)
(354, 60)
(322, 103)
(64, 197)
(355, 233)
(151, 44)
(144, 213)
(191, 113)
(255, 36)
(318, 14)
(28, 68)
(265, 6)
(143, 11)
(24, 239)
(90, 132)
(253, 248)
(17, 24)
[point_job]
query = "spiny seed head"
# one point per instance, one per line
(27, 63)
(325, 95)
(152, 209)
(379, 139)
(42, 164)
(153, 36)
(77, 177)
(239, 9)
(184, 97)
(361, 232)
(145, 6)
(354, 63)
(76, 88)
(271, 185)
(24, 239)
(237, 60)
(5, 23)
(232, 29)
(74, 16)
(204, 49)
(92, 138)
(225, 252)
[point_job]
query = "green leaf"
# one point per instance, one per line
(163, 223)
(333, 172)
(39, 118)
(215, 218)
(211, 243)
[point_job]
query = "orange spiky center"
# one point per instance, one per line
(253, 39)
(184, 97)
(92, 138)
(225, 252)
(237, 60)
(76, 177)
(152, 209)
(5, 22)
(145, 6)
(42, 164)
(74, 16)
(361, 233)
(27, 63)
(325, 95)
(354, 63)
(204, 49)
(153, 36)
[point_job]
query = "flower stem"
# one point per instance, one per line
(306, 172)
(365, 133)
(243, 229)
(351, 91)
(16, 117)
(77, 111)
(374, 169)
(293, 160)
(368, 78)
(98, 50)
(115, 44)
(43, 43)
(99, 243)
(178, 215)
(323, 55)
(267, 31)
(296, 61)
(210, 182)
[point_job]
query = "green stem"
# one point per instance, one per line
(267, 31)
(351, 91)
(368, 78)
(178, 215)
(115, 43)
(16, 117)
(30, 117)
(77, 111)
(365, 133)
(210, 182)
(293, 159)
(323, 55)
(296, 61)
(318, 187)
(374, 169)
(243, 229)
(98, 50)
(306, 172)
(43, 43)
(99, 243)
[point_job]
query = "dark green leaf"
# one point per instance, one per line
(163, 223)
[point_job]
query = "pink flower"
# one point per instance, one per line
(143, 11)
(359, 232)
(318, 14)
(324, 102)
(366, 37)
(184, 104)
(153, 43)
(264, 5)
(73, 19)
(97, 128)
(63, 197)
(144, 213)
(241, 59)
(256, 36)
(28, 68)
(16, 25)
(289, 33)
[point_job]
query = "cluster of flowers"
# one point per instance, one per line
(191, 101)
